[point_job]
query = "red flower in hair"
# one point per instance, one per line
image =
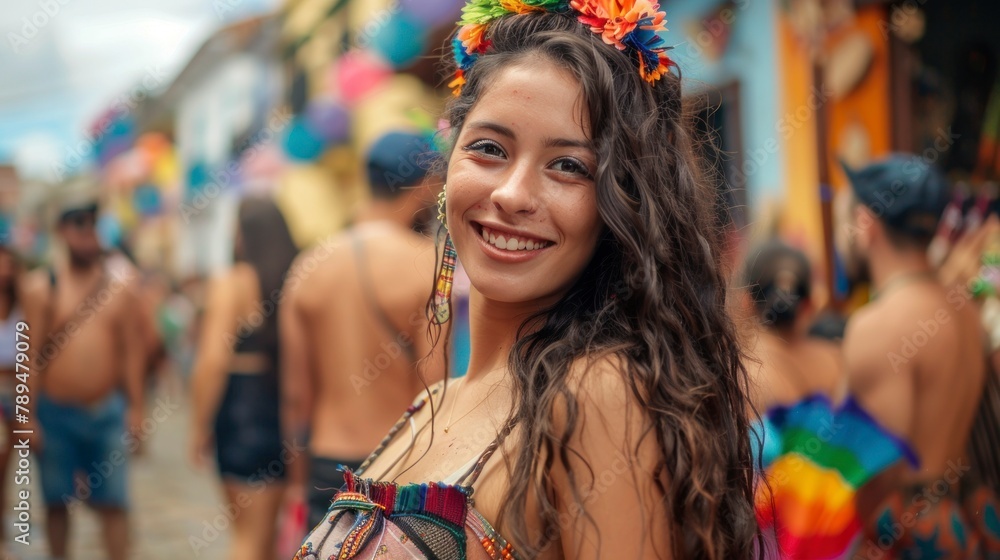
(616, 19)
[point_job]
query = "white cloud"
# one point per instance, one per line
(87, 54)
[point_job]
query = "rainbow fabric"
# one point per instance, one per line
(815, 457)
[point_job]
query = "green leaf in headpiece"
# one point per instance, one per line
(549, 5)
(481, 12)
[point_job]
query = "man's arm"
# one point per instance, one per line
(297, 371)
(133, 357)
(210, 372)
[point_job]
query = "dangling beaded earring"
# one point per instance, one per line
(446, 277)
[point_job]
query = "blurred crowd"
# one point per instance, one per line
(296, 363)
(297, 337)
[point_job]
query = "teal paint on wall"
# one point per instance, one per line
(751, 59)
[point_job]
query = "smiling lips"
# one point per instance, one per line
(508, 242)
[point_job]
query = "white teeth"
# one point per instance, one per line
(511, 243)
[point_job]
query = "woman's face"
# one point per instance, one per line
(522, 205)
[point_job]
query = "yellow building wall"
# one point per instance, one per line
(863, 113)
(800, 222)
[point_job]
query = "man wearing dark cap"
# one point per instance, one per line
(915, 363)
(353, 323)
(87, 376)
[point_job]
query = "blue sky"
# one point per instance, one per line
(62, 62)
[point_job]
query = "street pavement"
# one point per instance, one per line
(173, 503)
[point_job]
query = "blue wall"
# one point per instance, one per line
(751, 59)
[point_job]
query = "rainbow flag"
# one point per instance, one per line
(805, 498)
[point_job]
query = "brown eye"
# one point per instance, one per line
(487, 148)
(571, 166)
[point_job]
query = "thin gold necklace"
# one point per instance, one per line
(451, 416)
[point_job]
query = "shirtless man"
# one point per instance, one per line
(915, 362)
(353, 324)
(86, 382)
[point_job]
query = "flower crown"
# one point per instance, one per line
(629, 25)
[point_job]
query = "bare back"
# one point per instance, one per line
(86, 317)
(784, 371)
(361, 306)
(915, 361)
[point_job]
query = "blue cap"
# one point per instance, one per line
(397, 160)
(904, 191)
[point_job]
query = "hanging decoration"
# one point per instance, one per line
(357, 74)
(400, 41)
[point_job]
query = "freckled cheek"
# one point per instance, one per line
(578, 217)
(467, 190)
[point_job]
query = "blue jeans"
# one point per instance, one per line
(83, 455)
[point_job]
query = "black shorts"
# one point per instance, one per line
(325, 480)
(248, 431)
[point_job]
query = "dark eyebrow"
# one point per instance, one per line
(498, 128)
(568, 143)
(549, 142)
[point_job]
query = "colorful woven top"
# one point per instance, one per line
(826, 454)
(386, 520)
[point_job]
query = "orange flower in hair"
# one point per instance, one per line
(615, 20)
(631, 26)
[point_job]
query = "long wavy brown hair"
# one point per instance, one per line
(654, 294)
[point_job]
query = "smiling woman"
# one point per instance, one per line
(602, 415)
(514, 179)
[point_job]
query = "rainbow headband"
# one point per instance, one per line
(628, 25)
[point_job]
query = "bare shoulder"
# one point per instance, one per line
(319, 262)
(827, 374)
(222, 291)
(883, 338)
(606, 413)
(609, 474)
(36, 284)
(600, 380)
(409, 250)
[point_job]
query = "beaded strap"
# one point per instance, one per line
(467, 480)
(410, 411)
(472, 475)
